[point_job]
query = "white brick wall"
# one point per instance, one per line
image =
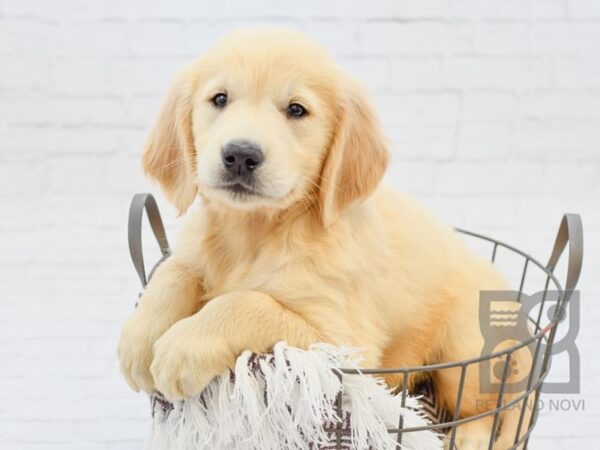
(493, 109)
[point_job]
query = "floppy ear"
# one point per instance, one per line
(169, 152)
(356, 160)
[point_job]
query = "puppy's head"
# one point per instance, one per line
(266, 120)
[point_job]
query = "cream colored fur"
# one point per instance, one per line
(321, 255)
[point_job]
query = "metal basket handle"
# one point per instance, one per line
(139, 203)
(570, 232)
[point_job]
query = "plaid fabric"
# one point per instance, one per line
(332, 431)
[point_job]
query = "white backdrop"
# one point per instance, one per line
(493, 109)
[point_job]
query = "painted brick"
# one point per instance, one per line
(484, 141)
(491, 108)
(417, 73)
(413, 38)
(499, 73)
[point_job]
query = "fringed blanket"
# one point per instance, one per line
(291, 399)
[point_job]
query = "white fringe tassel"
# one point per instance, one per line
(301, 389)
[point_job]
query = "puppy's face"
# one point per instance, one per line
(262, 121)
(266, 120)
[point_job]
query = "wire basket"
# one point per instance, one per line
(570, 232)
(554, 298)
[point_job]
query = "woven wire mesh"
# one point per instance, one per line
(528, 398)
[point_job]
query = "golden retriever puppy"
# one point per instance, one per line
(292, 238)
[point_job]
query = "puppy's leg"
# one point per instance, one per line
(408, 349)
(477, 434)
(172, 294)
(476, 400)
(204, 345)
(473, 435)
(522, 408)
(461, 340)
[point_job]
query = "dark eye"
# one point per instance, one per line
(296, 110)
(219, 100)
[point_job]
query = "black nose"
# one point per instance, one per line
(241, 157)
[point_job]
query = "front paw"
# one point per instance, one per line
(135, 351)
(186, 360)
